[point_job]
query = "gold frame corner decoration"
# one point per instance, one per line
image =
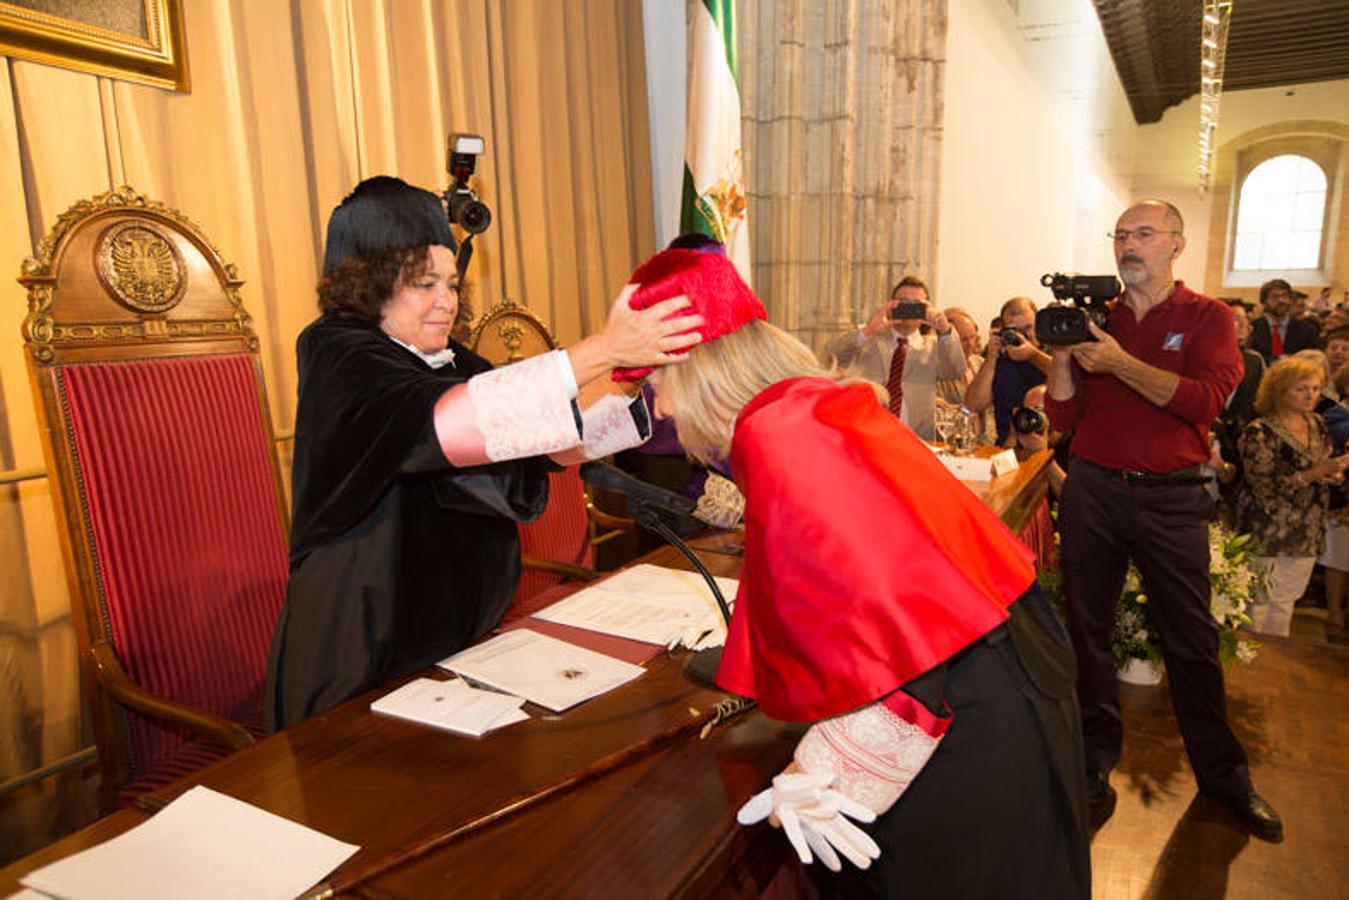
(157, 58)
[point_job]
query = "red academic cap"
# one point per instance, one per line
(711, 283)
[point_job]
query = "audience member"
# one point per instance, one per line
(1338, 318)
(1240, 406)
(1225, 457)
(1140, 399)
(1011, 367)
(952, 390)
(897, 354)
(1321, 305)
(1335, 557)
(1336, 344)
(1277, 333)
(1298, 311)
(1328, 396)
(1287, 466)
(1031, 412)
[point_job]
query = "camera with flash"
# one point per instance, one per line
(462, 204)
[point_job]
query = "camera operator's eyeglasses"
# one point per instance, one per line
(1145, 235)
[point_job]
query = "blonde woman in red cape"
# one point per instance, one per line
(885, 604)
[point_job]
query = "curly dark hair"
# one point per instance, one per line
(359, 286)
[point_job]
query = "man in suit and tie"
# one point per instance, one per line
(897, 354)
(1276, 333)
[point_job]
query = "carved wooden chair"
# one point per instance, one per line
(164, 472)
(557, 549)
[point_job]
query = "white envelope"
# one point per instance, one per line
(451, 705)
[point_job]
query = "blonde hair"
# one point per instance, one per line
(706, 392)
(1280, 377)
(1317, 357)
(952, 311)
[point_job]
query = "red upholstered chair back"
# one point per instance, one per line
(562, 533)
(508, 333)
(160, 447)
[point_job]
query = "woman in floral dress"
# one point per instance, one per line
(1286, 455)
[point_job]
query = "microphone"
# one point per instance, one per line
(614, 479)
(646, 502)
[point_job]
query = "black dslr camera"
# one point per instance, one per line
(1028, 420)
(1011, 337)
(1066, 325)
(463, 206)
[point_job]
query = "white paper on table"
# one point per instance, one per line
(645, 603)
(202, 845)
(451, 705)
(542, 669)
(968, 468)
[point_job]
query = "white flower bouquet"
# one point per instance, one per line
(1232, 577)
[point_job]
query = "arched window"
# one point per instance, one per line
(1280, 215)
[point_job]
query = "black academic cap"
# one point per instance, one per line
(382, 214)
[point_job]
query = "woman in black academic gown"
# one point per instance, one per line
(415, 460)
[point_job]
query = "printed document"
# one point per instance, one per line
(543, 670)
(646, 603)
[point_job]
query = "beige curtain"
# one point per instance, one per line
(292, 103)
(842, 114)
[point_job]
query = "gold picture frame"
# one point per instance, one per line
(134, 40)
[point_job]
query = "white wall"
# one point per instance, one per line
(1168, 152)
(1037, 154)
(664, 29)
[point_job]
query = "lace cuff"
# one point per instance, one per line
(508, 413)
(614, 422)
(721, 505)
(874, 754)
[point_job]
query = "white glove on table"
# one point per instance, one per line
(814, 818)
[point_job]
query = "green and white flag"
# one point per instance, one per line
(714, 175)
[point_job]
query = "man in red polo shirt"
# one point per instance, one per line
(1139, 399)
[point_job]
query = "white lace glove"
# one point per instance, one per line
(814, 818)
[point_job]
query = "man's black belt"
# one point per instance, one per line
(1189, 475)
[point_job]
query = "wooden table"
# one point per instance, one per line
(660, 824)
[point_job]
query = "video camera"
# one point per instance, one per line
(1067, 325)
(462, 204)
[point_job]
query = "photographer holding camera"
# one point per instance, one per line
(1031, 433)
(1139, 397)
(1013, 364)
(890, 349)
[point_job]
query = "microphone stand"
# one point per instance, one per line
(703, 664)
